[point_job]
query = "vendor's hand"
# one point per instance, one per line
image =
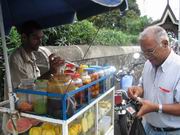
(55, 63)
(146, 107)
(135, 91)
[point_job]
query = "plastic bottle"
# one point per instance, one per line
(101, 73)
(86, 79)
(94, 76)
(77, 81)
(109, 71)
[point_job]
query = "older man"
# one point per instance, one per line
(160, 86)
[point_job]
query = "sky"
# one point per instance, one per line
(155, 8)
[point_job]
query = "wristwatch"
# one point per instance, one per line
(160, 108)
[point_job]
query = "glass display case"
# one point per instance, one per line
(95, 116)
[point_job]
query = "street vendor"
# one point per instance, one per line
(22, 61)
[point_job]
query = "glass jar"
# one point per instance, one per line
(40, 101)
(77, 81)
(60, 84)
(94, 76)
(100, 71)
(109, 71)
(25, 100)
(86, 79)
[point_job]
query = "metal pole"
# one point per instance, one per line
(8, 76)
(179, 31)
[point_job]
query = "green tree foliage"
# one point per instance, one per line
(78, 33)
(133, 24)
(111, 23)
(12, 40)
(114, 37)
(112, 19)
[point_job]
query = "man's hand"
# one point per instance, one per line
(55, 63)
(135, 91)
(146, 107)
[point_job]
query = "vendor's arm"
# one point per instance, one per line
(55, 63)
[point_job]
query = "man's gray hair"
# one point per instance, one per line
(156, 32)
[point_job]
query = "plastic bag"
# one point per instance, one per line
(137, 128)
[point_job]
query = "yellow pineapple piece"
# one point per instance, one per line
(35, 131)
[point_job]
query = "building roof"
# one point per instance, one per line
(168, 13)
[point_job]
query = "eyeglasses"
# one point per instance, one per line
(150, 53)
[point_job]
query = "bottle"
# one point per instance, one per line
(86, 79)
(77, 81)
(94, 76)
(101, 73)
(102, 84)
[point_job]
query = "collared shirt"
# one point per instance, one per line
(162, 86)
(22, 66)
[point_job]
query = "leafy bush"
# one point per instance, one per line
(78, 33)
(12, 41)
(83, 32)
(113, 37)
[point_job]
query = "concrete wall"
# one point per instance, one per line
(95, 55)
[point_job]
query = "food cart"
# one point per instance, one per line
(50, 13)
(98, 109)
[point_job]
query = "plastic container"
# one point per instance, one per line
(104, 124)
(94, 76)
(60, 84)
(39, 101)
(100, 71)
(108, 70)
(27, 83)
(25, 100)
(86, 79)
(77, 81)
(81, 68)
